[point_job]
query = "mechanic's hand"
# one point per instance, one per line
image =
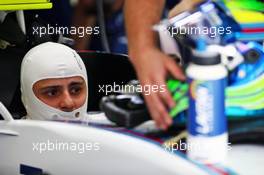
(152, 67)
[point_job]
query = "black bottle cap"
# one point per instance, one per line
(205, 58)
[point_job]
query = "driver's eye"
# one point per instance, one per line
(76, 89)
(51, 92)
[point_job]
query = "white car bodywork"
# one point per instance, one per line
(109, 152)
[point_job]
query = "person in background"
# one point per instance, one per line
(85, 15)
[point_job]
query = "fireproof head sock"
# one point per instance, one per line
(45, 61)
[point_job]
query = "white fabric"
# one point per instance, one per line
(49, 60)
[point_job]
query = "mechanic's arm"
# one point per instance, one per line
(152, 66)
(140, 16)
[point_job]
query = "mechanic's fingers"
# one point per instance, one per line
(166, 98)
(153, 110)
(158, 111)
(152, 101)
(166, 119)
(175, 70)
(164, 92)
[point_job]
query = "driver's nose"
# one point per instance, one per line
(67, 103)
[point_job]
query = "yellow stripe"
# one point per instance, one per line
(16, 2)
(244, 16)
(26, 6)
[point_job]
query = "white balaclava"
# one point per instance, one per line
(45, 61)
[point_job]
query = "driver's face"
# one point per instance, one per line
(66, 94)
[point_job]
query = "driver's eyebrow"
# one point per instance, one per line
(44, 89)
(80, 82)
